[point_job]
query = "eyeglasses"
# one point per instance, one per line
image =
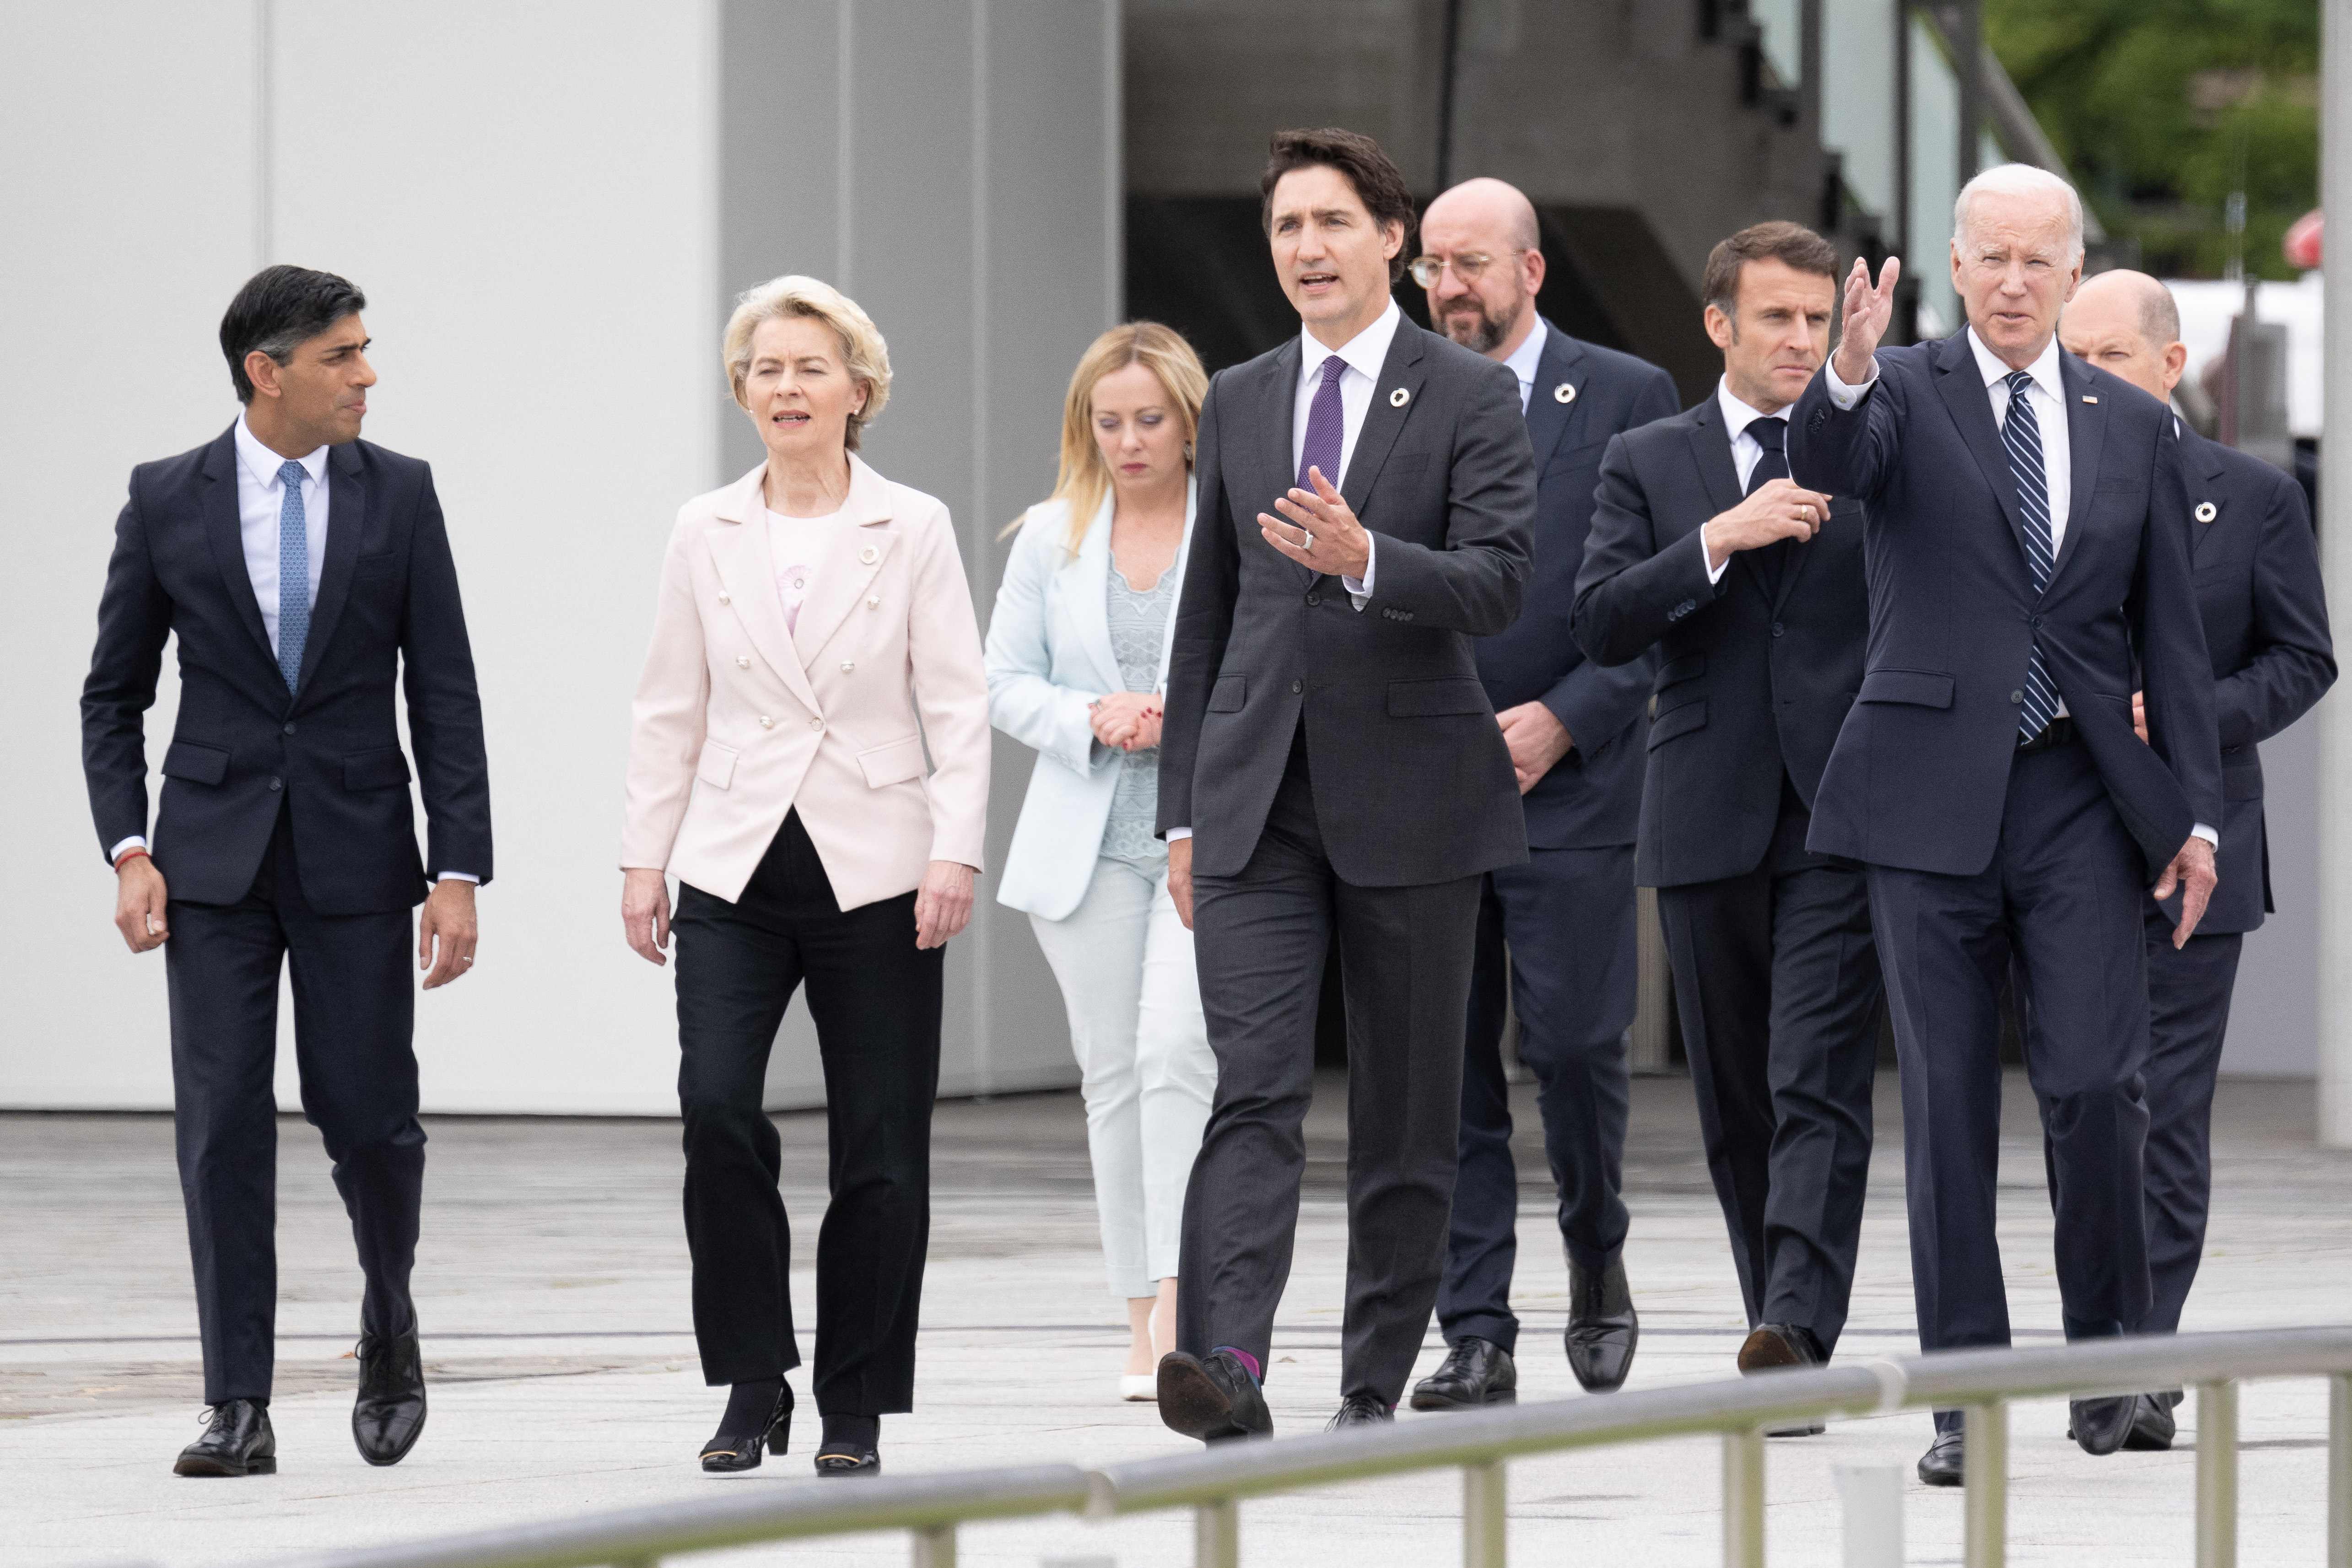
(1427, 269)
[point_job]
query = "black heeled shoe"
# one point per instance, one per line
(729, 1452)
(851, 1447)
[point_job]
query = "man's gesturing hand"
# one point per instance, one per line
(1868, 312)
(1536, 739)
(1180, 879)
(1779, 509)
(2192, 873)
(138, 900)
(1322, 533)
(447, 922)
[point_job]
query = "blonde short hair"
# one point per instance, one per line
(866, 357)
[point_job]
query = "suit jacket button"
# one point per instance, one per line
(276, 783)
(1297, 688)
(872, 602)
(1313, 600)
(742, 662)
(767, 723)
(1778, 629)
(847, 666)
(2017, 697)
(724, 600)
(290, 726)
(816, 724)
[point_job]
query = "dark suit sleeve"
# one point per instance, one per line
(135, 621)
(1850, 453)
(1205, 619)
(1629, 591)
(445, 710)
(2175, 670)
(1472, 585)
(2295, 659)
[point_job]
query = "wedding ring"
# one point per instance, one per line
(1309, 545)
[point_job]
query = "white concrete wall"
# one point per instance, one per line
(548, 207)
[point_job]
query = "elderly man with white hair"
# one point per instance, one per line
(2028, 542)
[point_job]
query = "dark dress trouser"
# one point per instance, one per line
(1556, 940)
(875, 1001)
(1260, 938)
(2188, 1014)
(1777, 983)
(2064, 895)
(354, 1011)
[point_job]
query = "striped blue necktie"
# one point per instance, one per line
(293, 575)
(2022, 435)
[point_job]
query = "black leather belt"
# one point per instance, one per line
(2060, 732)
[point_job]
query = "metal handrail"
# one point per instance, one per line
(1480, 1443)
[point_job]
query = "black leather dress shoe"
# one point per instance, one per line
(1603, 1328)
(237, 1441)
(727, 1452)
(1476, 1372)
(1211, 1398)
(1944, 1461)
(1772, 1346)
(2152, 1426)
(2100, 1426)
(1360, 1410)
(389, 1415)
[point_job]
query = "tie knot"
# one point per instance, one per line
(289, 473)
(1332, 368)
(1768, 432)
(2018, 382)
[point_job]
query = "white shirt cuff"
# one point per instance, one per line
(1713, 573)
(1843, 395)
(458, 876)
(2201, 831)
(1359, 593)
(135, 842)
(1175, 833)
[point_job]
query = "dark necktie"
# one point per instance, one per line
(1772, 435)
(1326, 427)
(2020, 432)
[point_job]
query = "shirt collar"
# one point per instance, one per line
(1737, 415)
(263, 464)
(1527, 355)
(2044, 371)
(1364, 353)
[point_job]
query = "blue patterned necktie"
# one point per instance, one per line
(293, 575)
(1325, 427)
(2022, 435)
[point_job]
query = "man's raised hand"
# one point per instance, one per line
(1869, 308)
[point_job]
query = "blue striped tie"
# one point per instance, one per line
(293, 575)
(2022, 435)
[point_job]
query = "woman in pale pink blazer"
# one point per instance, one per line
(814, 638)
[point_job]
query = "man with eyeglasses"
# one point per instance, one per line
(1556, 934)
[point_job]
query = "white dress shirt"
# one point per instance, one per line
(2049, 395)
(1745, 450)
(1363, 354)
(261, 498)
(1526, 358)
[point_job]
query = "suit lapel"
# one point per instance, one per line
(1548, 417)
(2086, 436)
(1278, 406)
(2202, 460)
(1964, 394)
(746, 570)
(1711, 449)
(853, 558)
(347, 503)
(1401, 371)
(225, 529)
(1086, 584)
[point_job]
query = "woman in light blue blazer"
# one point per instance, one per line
(1078, 649)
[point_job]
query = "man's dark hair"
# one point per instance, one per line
(1379, 183)
(278, 309)
(1793, 244)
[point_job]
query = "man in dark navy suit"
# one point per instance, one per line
(306, 574)
(1565, 919)
(2028, 539)
(1750, 590)
(2266, 618)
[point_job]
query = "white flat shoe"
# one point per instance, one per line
(1139, 1387)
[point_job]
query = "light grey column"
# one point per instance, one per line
(2335, 958)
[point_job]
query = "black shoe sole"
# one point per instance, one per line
(1194, 1406)
(871, 1465)
(1432, 1400)
(211, 1468)
(1938, 1478)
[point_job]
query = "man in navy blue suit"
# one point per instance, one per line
(306, 574)
(2027, 540)
(1749, 588)
(1566, 917)
(2266, 618)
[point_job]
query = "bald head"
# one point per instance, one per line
(2127, 324)
(1480, 264)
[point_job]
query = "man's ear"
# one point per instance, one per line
(262, 371)
(1721, 331)
(1391, 238)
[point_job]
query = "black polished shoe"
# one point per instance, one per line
(389, 1414)
(1476, 1372)
(1211, 1398)
(1773, 1346)
(1945, 1461)
(237, 1441)
(1603, 1328)
(2152, 1426)
(2100, 1426)
(1360, 1410)
(727, 1452)
(851, 1447)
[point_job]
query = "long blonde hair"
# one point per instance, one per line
(1084, 478)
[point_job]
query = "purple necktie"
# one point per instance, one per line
(1325, 427)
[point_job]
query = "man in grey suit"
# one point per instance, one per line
(1330, 762)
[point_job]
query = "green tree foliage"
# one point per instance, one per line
(2162, 108)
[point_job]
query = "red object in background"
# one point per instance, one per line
(2302, 242)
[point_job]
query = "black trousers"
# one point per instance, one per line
(1777, 987)
(1556, 940)
(2188, 1014)
(876, 1002)
(2064, 897)
(1260, 939)
(355, 1012)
